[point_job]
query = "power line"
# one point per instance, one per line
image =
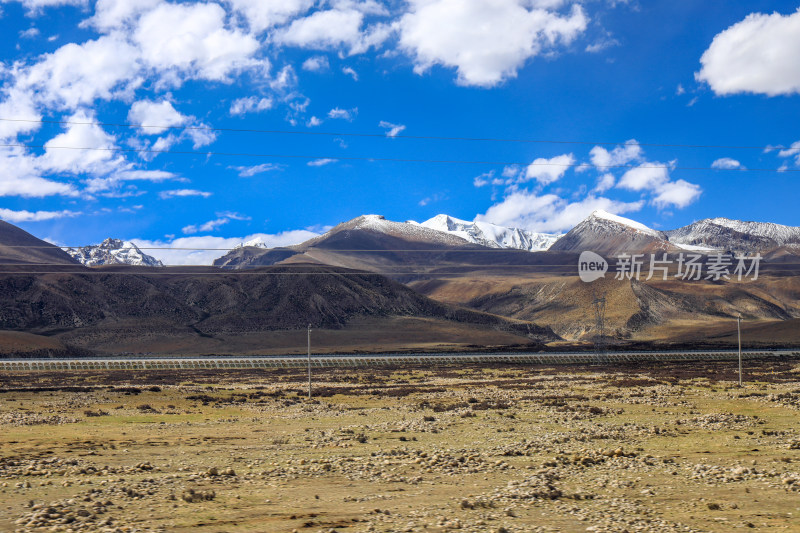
(285, 265)
(483, 249)
(385, 136)
(382, 159)
(241, 273)
(157, 271)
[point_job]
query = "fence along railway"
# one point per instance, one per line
(330, 361)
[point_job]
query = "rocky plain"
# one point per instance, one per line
(651, 448)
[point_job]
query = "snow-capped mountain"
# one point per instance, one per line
(113, 252)
(610, 234)
(345, 244)
(601, 232)
(378, 224)
(491, 235)
(256, 243)
(735, 235)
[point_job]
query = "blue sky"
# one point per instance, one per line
(625, 87)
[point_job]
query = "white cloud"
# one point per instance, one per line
(316, 64)
(232, 215)
(162, 144)
(350, 72)
(192, 39)
(678, 193)
(755, 55)
(792, 151)
(605, 182)
(211, 225)
(65, 152)
(111, 181)
(200, 134)
(344, 114)
(22, 177)
(82, 149)
(34, 7)
(644, 177)
(438, 197)
(79, 74)
(250, 104)
(321, 162)
(487, 41)
(113, 14)
(511, 171)
(549, 213)
(548, 4)
(154, 118)
(621, 155)
(150, 114)
(173, 251)
(547, 171)
(145, 175)
(34, 216)
(332, 29)
(18, 104)
(726, 163)
(247, 172)
(368, 7)
(605, 42)
(484, 179)
(264, 14)
(30, 33)
(654, 177)
(183, 193)
(285, 79)
(313, 121)
(647, 177)
(393, 129)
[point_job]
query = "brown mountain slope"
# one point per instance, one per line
(653, 311)
(118, 305)
(20, 247)
(402, 251)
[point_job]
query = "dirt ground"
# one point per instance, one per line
(671, 447)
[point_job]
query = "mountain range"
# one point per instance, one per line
(372, 242)
(601, 232)
(371, 284)
(491, 235)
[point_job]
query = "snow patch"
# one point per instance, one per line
(605, 215)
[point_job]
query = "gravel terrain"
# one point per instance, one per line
(506, 449)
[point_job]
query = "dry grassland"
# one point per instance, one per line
(676, 448)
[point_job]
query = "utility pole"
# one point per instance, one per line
(599, 304)
(309, 361)
(739, 334)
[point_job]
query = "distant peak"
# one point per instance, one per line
(113, 251)
(444, 220)
(605, 215)
(112, 244)
(602, 213)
